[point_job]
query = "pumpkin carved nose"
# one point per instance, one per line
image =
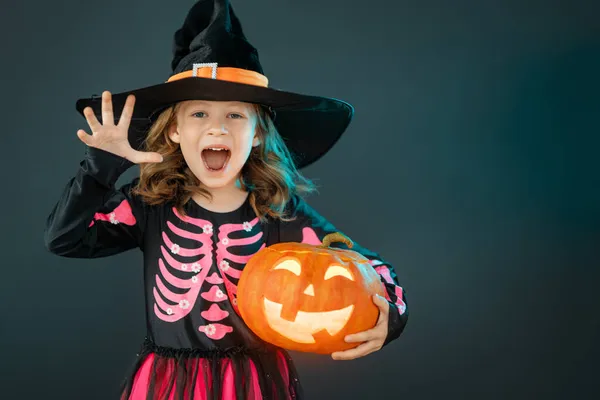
(310, 290)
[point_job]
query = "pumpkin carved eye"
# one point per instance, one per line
(290, 265)
(338, 270)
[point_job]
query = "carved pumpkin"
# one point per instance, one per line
(307, 298)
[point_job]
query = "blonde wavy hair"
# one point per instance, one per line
(269, 173)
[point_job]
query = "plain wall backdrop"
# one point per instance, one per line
(472, 165)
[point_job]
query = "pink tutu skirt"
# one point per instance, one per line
(186, 374)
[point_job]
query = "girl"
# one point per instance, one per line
(219, 154)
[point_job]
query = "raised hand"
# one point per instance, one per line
(113, 138)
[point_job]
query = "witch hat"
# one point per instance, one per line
(213, 60)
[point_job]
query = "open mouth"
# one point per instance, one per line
(216, 157)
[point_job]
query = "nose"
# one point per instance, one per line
(217, 132)
(218, 128)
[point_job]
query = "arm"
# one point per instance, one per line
(92, 218)
(308, 226)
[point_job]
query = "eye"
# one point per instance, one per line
(291, 265)
(202, 113)
(338, 270)
(236, 116)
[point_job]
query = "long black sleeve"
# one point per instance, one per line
(92, 218)
(310, 227)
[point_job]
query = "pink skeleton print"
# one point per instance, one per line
(197, 269)
(198, 262)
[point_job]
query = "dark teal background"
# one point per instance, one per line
(472, 165)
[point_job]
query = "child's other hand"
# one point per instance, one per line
(373, 338)
(113, 138)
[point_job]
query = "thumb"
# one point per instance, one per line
(384, 309)
(381, 303)
(143, 157)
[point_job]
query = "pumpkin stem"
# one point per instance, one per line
(336, 237)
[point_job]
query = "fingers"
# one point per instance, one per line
(107, 110)
(91, 119)
(372, 339)
(111, 138)
(379, 331)
(127, 113)
(359, 351)
(364, 336)
(84, 137)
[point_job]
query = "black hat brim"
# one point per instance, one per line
(309, 125)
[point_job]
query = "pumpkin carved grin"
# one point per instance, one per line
(306, 324)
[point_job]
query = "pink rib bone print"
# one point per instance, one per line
(185, 301)
(224, 255)
(198, 270)
(225, 242)
(176, 249)
(120, 215)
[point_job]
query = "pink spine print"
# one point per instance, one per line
(196, 270)
(214, 295)
(214, 279)
(120, 215)
(214, 313)
(216, 331)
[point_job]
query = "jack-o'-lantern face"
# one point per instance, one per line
(308, 298)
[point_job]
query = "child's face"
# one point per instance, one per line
(216, 139)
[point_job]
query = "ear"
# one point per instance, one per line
(174, 135)
(256, 141)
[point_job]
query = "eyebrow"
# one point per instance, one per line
(204, 104)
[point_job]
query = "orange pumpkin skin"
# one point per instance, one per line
(307, 298)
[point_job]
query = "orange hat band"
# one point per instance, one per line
(212, 71)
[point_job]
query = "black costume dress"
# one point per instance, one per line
(197, 345)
